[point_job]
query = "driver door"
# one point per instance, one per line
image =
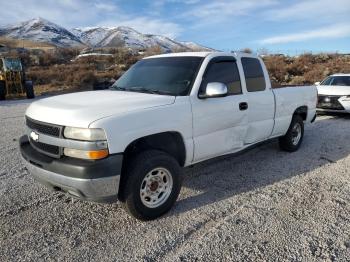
(219, 124)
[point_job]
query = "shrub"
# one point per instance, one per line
(57, 69)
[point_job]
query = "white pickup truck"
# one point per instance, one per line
(129, 143)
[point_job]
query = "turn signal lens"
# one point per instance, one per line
(98, 154)
(92, 155)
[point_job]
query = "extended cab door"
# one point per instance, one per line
(219, 124)
(260, 98)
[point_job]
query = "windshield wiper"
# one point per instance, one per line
(161, 92)
(150, 91)
(118, 88)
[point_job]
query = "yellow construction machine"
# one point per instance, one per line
(12, 79)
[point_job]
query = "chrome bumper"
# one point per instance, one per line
(90, 180)
(104, 189)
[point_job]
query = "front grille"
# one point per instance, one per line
(50, 150)
(44, 128)
(329, 102)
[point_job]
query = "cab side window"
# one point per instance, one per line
(254, 75)
(224, 72)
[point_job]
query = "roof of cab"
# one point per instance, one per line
(340, 74)
(199, 54)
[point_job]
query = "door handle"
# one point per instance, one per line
(243, 106)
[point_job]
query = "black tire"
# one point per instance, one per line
(290, 142)
(137, 170)
(29, 89)
(2, 90)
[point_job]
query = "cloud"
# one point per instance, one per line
(107, 7)
(164, 2)
(311, 9)
(68, 13)
(226, 8)
(223, 12)
(334, 31)
(147, 25)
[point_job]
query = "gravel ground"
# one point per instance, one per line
(262, 205)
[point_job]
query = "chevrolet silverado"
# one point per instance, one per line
(131, 142)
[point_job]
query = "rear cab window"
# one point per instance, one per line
(254, 74)
(223, 71)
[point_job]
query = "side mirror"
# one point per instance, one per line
(317, 83)
(214, 89)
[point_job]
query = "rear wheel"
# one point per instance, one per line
(152, 186)
(2, 90)
(291, 141)
(29, 89)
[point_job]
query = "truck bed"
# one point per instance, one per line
(287, 100)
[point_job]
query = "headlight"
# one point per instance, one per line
(92, 155)
(86, 134)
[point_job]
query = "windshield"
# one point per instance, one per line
(12, 64)
(164, 75)
(336, 81)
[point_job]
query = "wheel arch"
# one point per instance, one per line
(170, 142)
(301, 111)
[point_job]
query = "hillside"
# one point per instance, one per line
(16, 43)
(306, 68)
(44, 31)
(41, 30)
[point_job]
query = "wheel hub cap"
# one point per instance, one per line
(156, 187)
(296, 134)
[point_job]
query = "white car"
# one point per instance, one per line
(334, 94)
(166, 112)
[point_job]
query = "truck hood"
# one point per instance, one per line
(82, 108)
(334, 90)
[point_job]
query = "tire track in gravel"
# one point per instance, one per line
(22, 208)
(198, 232)
(11, 117)
(195, 232)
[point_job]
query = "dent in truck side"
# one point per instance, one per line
(219, 126)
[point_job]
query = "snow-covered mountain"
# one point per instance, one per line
(123, 36)
(91, 36)
(42, 30)
(194, 46)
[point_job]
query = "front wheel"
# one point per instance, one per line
(2, 90)
(29, 89)
(152, 185)
(291, 141)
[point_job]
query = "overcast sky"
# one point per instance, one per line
(287, 26)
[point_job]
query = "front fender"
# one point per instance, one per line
(122, 130)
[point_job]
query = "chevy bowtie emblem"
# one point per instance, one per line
(34, 136)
